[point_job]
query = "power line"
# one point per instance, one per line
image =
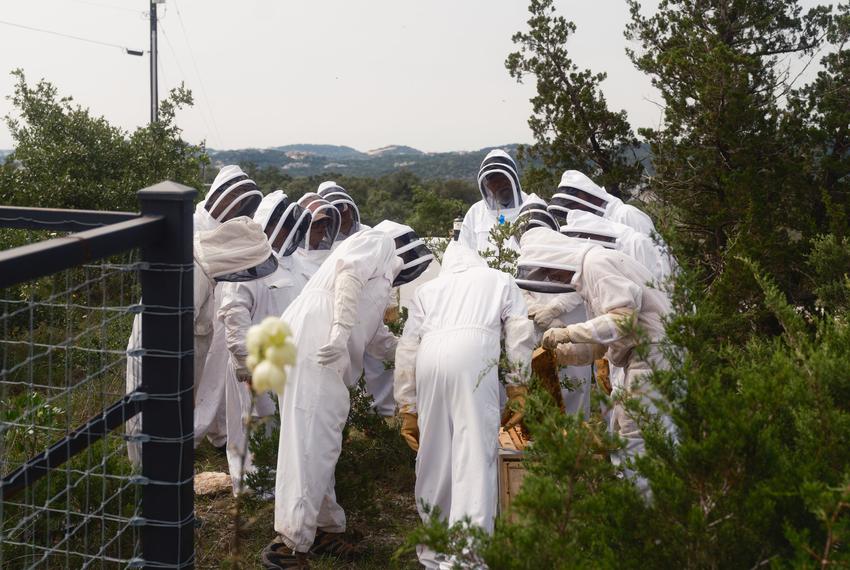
(198, 73)
(182, 73)
(72, 37)
(100, 5)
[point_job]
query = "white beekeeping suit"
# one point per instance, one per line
(578, 192)
(556, 310)
(232, 247)
(333, 321)
(501, 200)
(231, 195)
(379, 378)
(246, 303)
(619, 294)
(640, 247)
(446, 371)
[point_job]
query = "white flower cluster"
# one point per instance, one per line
(269, 352)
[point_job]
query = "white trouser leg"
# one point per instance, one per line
(210, 391)
(313, 411)
(576, 399)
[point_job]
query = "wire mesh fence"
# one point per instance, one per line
(86, 479)
(63, 342)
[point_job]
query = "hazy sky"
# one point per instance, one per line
(363, 73)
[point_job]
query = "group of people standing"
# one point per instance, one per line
(589, 271)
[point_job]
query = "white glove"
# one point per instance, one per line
(571, 354)
(553, 337)
(544, 316)
(335, 350)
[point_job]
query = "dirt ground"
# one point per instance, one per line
(384, 523)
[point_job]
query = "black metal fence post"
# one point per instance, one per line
(168, 379)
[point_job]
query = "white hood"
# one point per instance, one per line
(585, 222)
(458, 257)
(235, 245)
(542, 247)
(498, 161)
(578, 181)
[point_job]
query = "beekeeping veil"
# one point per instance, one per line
(412, 251)
(232, 194)
(284, 222)
(550, 262)
(498, 164)
(577, 191)
(237, 250)
(321, 209)
(342, 201)
(596, 230)
(533, 214)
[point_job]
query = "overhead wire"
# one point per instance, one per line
(197, 72)
(68, 36)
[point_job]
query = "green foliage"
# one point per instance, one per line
(758, 477)
(65, 157)
(829, 261)
(738, 176)
(572, 125)
(503, 255)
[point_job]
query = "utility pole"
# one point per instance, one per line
(154, 88)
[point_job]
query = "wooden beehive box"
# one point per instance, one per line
(511, 471)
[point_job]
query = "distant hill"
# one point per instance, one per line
(312, 159)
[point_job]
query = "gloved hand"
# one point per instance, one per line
(410, 429)
(572, 354)
(515, 408)
(553, 337)
(336, 349)
(544, 316)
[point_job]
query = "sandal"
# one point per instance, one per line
(278, 555)
(337, 545)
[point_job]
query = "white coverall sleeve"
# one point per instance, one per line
(519, 334)
(203, 291)
(383, 344)
(237, 300)
(618, 299)
(404, 376)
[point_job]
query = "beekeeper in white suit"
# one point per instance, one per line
(556, 310)
(578, 192)
(622, 238)
(233, 248)
(501, 200)
(619, 294)
(447, 385)
(246, 303)
(379, 378)
(232, 194)
(333, 321)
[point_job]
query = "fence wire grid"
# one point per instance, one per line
(65, 362)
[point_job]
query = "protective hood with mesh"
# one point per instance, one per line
(534, 214)
(234, 192)
(342, 201)
(498, 161)
(237, 250)
(550, 262)
(320, 208)
(409, 247)
(590, 227)
(568, 197)
(278, 215)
